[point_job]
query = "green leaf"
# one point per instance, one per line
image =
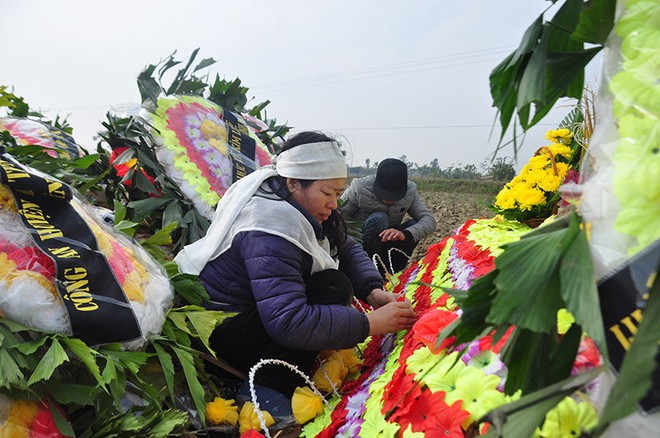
(528, 282)
(476, 308)
(86, 161)
(563, 355)
(126, 227)
(168, 421)
(144, 207)
(205, 321)
(179, 319)
(190, 288)
(162, 237)
(28, 348)
(173, 213)
(524, 351)
(86, 355)
(10, 373)
(54, 357)
(109, 371)
(596, 22)
(149, 88)
(204, 63)
(62, 424)
(120, 211)
(142, 183)
(532, 83)
(131, 360)
(579, 291)
(521, 418)
(68, 393)
(168, 369)
(639, 363)
(562, 70)
(196, 389)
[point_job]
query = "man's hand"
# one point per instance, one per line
(391, 234)
(391, 317)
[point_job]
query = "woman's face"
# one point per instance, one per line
(320, 198)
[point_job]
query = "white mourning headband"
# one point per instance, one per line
(312, 161)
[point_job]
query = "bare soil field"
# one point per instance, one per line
(451, 210)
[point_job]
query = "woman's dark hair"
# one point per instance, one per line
(334, 228)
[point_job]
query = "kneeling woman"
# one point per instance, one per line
(275, 233)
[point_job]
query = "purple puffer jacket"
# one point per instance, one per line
(267, 271)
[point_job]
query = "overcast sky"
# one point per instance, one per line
(391, 78)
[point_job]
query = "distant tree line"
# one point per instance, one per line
(501, 169)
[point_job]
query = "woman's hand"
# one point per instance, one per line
(378, 298)
(392, 317)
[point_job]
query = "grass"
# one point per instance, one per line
(459, 185)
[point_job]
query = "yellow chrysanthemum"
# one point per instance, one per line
(563, 135)
(248, 418)
(505, 199)
(568, 419)
(548, 181)
(537, 163)
(306, 404)
(221, 411)
(560, 150)
(528, 198)
(7, 202)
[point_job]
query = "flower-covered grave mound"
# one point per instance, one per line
(409, 385)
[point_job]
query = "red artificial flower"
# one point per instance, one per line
(410, 345)
(422, 410)
(486, 343)
(252, 433)
(465, 228)
(404, 277)
(587, 357)
(123, 168)
(29, 258)
(434, 251)
(428, 327)
(372, 354)
(43, 426)
(447, 422)
(399, 394)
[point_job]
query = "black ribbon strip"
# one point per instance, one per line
(242, 147)
(97, 305)
(622, 299)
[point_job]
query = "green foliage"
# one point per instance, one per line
(101, 379)
(549, 63)
(157, 208)
(533, 279)
(231, 95)
(501, 169)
